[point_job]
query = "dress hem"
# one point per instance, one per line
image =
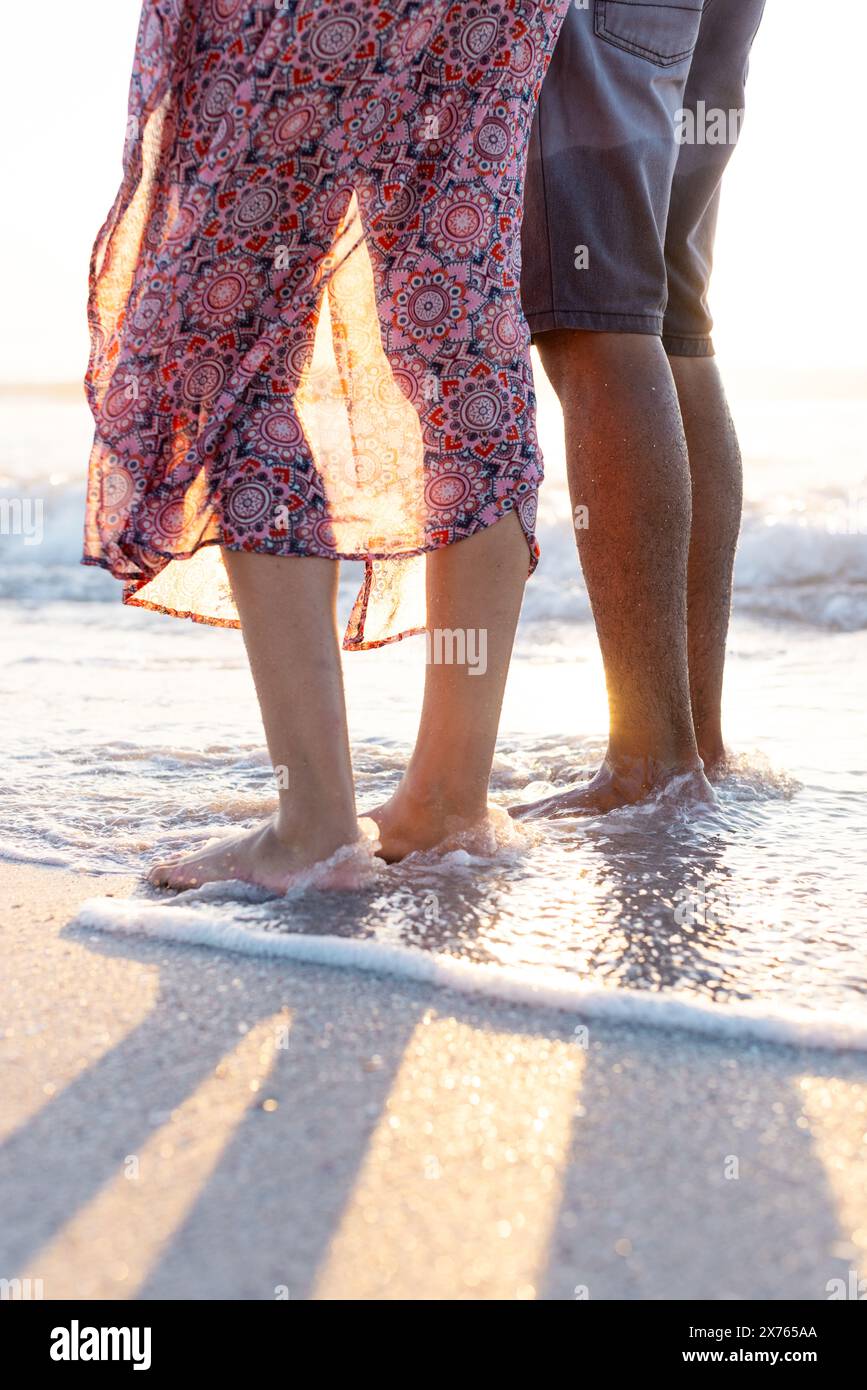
(133, 583)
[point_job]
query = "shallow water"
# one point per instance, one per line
(132, 732)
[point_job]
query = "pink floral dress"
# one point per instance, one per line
(306, 329)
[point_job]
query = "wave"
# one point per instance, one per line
(547, 989)
(805, 572)
(812, 570)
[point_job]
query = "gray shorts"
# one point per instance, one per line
(637, 120)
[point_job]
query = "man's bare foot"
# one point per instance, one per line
(408, 822)
(623, 784)
(272, 859)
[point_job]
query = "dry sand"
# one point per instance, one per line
(180, 1122)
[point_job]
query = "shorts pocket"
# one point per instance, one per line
(664, 32)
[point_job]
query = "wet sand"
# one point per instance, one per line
(185, 1123)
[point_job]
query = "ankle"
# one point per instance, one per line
(711, 748)
(714, 757)
(670, 753)
(423, 797)
(634, 771)
(319, 835)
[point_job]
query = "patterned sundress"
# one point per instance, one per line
(304, 304)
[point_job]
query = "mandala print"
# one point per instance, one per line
(306, 333)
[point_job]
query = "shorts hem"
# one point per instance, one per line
(688, 347)
(594, 321)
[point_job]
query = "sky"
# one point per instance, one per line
(789, 280)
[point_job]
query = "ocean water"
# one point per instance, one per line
(129, 733)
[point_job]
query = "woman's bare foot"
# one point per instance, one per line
(273, 858)
(623, 784)
(409, 821)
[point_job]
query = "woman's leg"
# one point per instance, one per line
(287, 611)
(474, 592)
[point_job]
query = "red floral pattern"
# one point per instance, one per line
(306, 330)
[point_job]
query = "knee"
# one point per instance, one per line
(571, 354)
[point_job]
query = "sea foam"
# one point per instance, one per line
(545, 989)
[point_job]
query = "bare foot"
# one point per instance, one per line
(630, 781)
(717, 765)
(408, 822)
(272, 860)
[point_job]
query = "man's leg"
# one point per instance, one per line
(601, 163)
(716, 85)
(627, 464)
(618, 237)
(717, 490)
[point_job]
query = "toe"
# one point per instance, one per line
(159, 874)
